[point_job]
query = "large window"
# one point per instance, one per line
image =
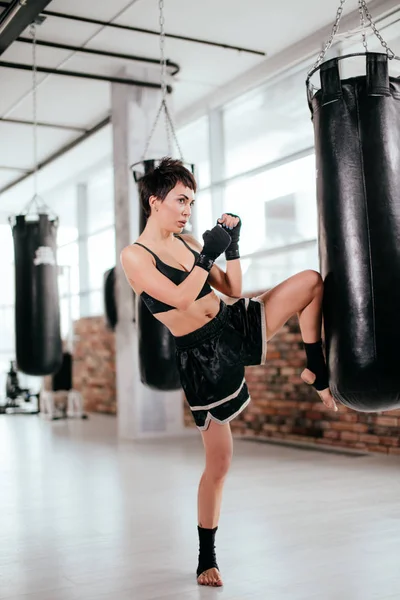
(101, 254)
(267, 124)
(277, 207)
(202, 214)
(194, 142)
(100, 200)
(263, 272)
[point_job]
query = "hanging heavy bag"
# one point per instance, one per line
(157, 348)
(110, 305)
(357, 143)
(109, 299)
(37, 313)
(158, 368)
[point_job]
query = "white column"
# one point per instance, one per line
(141, 412)
(82, 218)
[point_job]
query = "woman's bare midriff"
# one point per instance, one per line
(181, 322)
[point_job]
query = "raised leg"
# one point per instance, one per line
(217, 440)
(302, 295)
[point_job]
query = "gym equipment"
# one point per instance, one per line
(109, 299)
(37, 313)
(110, 306)
(18, 399)
(158, 368)
(357, 142)
(157, 361)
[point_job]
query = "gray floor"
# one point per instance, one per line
(85, 517)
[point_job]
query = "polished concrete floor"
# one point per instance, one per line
(83, 516)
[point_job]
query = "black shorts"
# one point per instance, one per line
(211, 360)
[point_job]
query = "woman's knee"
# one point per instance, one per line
(313, 280)
(217, 465)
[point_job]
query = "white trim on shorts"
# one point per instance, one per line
(218, 402)
(210, 417)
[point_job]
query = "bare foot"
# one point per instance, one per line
(210, 577)
(325, 395)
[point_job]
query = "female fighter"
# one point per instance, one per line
(174, 275)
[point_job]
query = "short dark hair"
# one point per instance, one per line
(161, 180)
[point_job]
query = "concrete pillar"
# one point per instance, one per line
(82, 217)
(141, 412)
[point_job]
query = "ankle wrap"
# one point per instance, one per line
(207, 557)
(316, 364)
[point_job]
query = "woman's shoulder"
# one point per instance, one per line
(134, 254)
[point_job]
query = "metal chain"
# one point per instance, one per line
(329, 43)
(362, 21)
(364, 12)
(163, 64)
(169, 126)
(390, 52)
(36, 203)
(34, 98)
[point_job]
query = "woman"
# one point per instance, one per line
(174, 275)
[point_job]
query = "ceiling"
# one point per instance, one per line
(260, 26)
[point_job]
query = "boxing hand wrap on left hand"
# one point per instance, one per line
(232, 252)
(215, 242)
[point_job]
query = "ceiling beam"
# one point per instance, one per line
(16, 17)
(155, 61)
(82, 75)
(60, 152)
(60, 15)
(43, 124)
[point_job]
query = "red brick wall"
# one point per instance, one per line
(284, 408)
(94, 365)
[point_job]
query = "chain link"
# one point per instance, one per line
(163, 64)
(374, 28)
(169, 125)
(34, 97)
(362, 21)
(364, 13)
(329, 43)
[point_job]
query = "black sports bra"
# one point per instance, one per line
(175, 275)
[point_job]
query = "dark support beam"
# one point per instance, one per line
(19, 14)
(58, 153)
(81, 75)
(60, 15)
(175, 68)
(42, 124)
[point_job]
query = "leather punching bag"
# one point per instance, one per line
(110, 305)
(158, 368)
(37, 313)
(109, 299)
(357, 141)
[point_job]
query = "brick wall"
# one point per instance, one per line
(94, 365)
(284, 408)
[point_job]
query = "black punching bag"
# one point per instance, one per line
(110, 301)
(157, 360)
(357, 142)
(37, 313)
